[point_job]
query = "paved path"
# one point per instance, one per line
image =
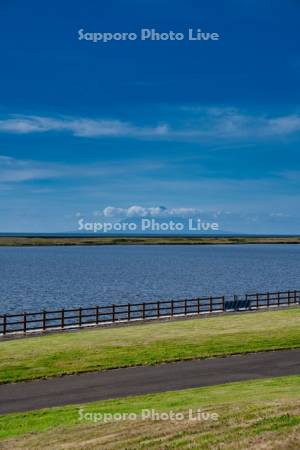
(116, 383)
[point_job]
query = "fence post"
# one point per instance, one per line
(223, 303)
(128, 312)
(4, 324)
(289, 297)
(198, 305)
(24, 322)
(143, 311)
(44, 320)
(268, 299)
(185, 307)
(113, 312)
(295, 296)
(62, 318)
(172, 308)
(210, 304)
(80, 317)
(257, 301)
(158, 309)
(97, 315)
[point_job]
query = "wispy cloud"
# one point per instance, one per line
(81, 127)
(13, 170)
(196, 124)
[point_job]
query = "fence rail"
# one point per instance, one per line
(100, 315)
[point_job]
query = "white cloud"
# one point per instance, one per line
(230, 220)
(152, 211)
(80, 127)
(194, 123)
(14, 170)
(285, 125)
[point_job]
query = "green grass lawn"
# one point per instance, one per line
(261, 414)
(100, 349)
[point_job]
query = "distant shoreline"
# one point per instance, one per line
(25, 241)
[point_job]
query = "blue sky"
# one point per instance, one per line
(206, 128)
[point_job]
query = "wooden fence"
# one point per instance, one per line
(100, 315)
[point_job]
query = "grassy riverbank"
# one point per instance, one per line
(14, 241)
(261, 414)
(100, 349)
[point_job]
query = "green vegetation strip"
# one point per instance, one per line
(252, 414)
(100, 349)
(11, 241)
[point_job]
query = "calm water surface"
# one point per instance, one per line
(32, 278)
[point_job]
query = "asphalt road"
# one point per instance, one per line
(116, 383)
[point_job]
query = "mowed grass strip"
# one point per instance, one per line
(253, 415)
(100, 349)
